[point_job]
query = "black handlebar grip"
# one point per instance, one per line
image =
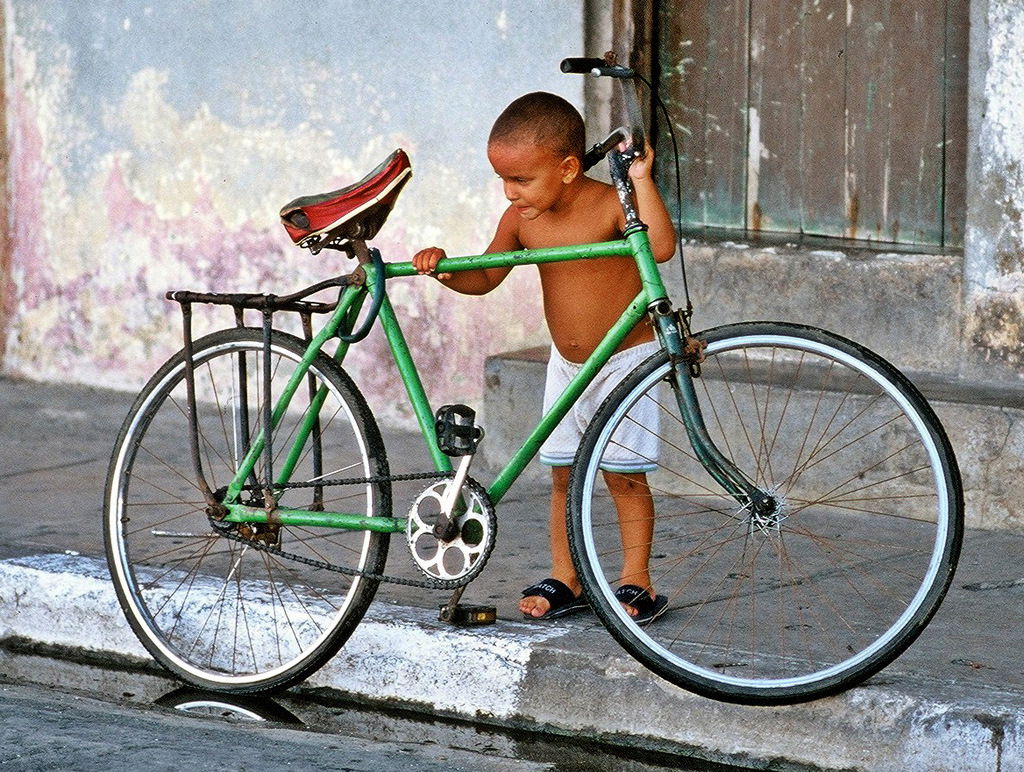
(581, 65)
(601, 149)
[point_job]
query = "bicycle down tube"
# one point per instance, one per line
(651, 296)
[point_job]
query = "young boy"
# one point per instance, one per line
(536, 147)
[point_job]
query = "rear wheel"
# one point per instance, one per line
(815, 594)
(219, 612)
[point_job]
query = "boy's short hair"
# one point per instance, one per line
(543, 119)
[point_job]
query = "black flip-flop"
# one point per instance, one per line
(558, 595)
(647, 608)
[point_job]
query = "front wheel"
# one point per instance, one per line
(208, 603)
(769, 606)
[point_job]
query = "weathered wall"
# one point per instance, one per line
(7, 299)
(994, 246)
(151, 147)
(153, 144)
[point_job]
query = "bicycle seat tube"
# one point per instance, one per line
(349, 303)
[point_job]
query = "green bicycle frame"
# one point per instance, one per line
(651, 295)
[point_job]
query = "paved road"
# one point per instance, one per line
(46, 727)
(45, 730)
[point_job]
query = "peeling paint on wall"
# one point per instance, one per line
(140, 164)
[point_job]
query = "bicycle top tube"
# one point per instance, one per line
(519, 257)
(636, 244)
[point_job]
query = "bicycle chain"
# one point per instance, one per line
(227, 530)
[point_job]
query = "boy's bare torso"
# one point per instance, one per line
(584, 298)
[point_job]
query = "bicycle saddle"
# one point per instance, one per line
(354, 212)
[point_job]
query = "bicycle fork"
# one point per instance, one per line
(686, 353)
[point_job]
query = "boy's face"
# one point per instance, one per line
(534, 177)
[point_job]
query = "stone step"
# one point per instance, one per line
(984, 422)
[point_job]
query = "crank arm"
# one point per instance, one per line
(446, 528)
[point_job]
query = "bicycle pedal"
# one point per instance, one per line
(456, 429)
(466, 615)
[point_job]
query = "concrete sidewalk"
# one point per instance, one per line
(954, 701)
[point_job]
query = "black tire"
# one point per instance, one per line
(833, 588)
(219, 614)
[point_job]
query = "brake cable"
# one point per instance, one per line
(679, 190)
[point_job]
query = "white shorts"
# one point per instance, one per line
(634, 446)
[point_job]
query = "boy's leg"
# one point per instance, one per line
(635, 508)
(561, 561)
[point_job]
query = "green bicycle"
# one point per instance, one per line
(809, 510)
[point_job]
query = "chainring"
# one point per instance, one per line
(462, 557)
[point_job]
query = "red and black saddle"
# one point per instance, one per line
(354, 212)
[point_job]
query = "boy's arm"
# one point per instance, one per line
(652, 209)
(483, 280)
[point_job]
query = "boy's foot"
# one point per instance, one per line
(561, 600)
(647, 608)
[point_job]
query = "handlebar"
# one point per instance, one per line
(636, 133)
(581, 65)
(585, 65)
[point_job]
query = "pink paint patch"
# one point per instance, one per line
(28, 176)
(125, 212)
